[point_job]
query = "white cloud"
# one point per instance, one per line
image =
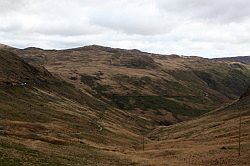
(189, 27)
(134, 18)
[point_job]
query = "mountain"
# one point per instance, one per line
(47, 121)
(241, 59)
(96, 105)
(209, 140)
(166, 89)
(246, 94)
(15, 71)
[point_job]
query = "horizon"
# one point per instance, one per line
(206, 29)
(62, 49)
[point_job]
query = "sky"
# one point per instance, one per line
(207, 28)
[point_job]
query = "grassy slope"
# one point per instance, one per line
(209, 140)
(53, 123)
(173, 88)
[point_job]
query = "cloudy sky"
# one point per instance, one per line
(208, 28)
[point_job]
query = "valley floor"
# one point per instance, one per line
(214, 142)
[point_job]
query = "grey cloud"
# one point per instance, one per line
(190, 27)
(144, 25)
(7, 6)
(213, 10)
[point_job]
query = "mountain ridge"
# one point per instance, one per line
(241, 59)
(143, 82)
(133, 49)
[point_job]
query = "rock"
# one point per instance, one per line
(223, 148)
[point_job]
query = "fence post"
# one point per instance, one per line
(143, 142)
(239, 148)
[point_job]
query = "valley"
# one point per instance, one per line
(175, 88)
(97, 105)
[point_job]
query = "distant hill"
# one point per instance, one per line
(241, 59)
(167, 89)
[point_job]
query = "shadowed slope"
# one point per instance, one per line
(44, 120)
(209, 140)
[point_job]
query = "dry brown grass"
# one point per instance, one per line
(80, 129)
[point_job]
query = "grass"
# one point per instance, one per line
(15, 154)
(35, 116)
(154, 103)
(209, 140)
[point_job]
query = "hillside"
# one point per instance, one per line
(95, 106)
(46, 121)
(166, 89)
(14, 71)
(209, 140)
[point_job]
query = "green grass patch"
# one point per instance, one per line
(154, 103)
